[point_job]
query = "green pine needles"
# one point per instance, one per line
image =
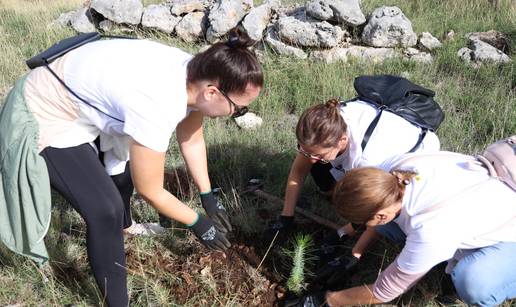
(300, 256)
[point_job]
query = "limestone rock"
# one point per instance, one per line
(192, 26)
(309, 34)
(389, 27)
(225, 15)
(428, 42)
(249, 121)
(330, 55)
(180, 7)
(273, 41)
(159, 17)
(412, 54)
(65, 19)
(119, 11)
(483, 52)
(257, 20)
(494, 38)
(342, 11)
(82, 21)
(376, 55)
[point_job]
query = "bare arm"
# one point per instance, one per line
(366, 239)
(193, 148)
(147, 171)
(298, 172)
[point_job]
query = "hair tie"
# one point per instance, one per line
(232, 42)
(405, 181)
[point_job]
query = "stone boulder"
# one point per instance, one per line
(82, 21)
(342, 11)
(494, 38)
(249, 121)
(119, 11)
(180, 7)
(225, 15)
(309, 34)
(484, 52)
(65, 19)
(428, 42)
(388, 27)
(376, 55)
(257, 20)
(278, 46)
(330, 55)
(421, 57)
(159, 17)
(192, 26)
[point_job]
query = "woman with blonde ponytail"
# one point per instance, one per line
(443, 207)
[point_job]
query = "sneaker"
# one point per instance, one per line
(144, 229)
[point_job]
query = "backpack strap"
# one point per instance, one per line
(371, 127)
(422, 135)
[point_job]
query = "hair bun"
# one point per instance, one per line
(332, 103)
(237, 38)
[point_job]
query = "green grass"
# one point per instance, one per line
(480, 107)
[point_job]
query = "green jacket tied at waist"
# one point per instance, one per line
(25, 202)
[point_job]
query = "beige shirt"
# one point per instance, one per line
(54, 110)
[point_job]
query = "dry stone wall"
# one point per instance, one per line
(319, 30)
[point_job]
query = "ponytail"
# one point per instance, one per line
(321, 125)
(362, 192)
(232, 64)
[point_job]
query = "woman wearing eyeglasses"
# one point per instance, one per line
(329, 137)
(137, 93)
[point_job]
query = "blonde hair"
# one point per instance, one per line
(321, 125)
(362, 192)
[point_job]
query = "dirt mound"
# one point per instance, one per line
(204, 277)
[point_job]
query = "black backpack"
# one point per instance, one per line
(398, 95)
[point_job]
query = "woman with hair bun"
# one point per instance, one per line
(97, 124)
(443, 207)
(329, 137)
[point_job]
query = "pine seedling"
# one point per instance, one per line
(300, 256)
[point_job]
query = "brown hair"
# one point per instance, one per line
(362, 192)
(231, 63)
(321, 125)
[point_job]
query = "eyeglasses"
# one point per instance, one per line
(311, 156)
(238, 110)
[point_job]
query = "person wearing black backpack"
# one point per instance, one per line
(330, 140)
(123, 98)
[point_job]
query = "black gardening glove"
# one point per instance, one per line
(283, 226)
(208, 232)
(314, 299)
(216, 211)
(336, 270)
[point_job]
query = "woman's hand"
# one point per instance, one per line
(216, 211)
(210, 233)
(147, 171)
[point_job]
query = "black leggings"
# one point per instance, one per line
(103, 202)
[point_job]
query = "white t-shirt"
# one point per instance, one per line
(141, 82)
(451, 205)
(392, 136)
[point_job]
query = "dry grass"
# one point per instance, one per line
(479, 105)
